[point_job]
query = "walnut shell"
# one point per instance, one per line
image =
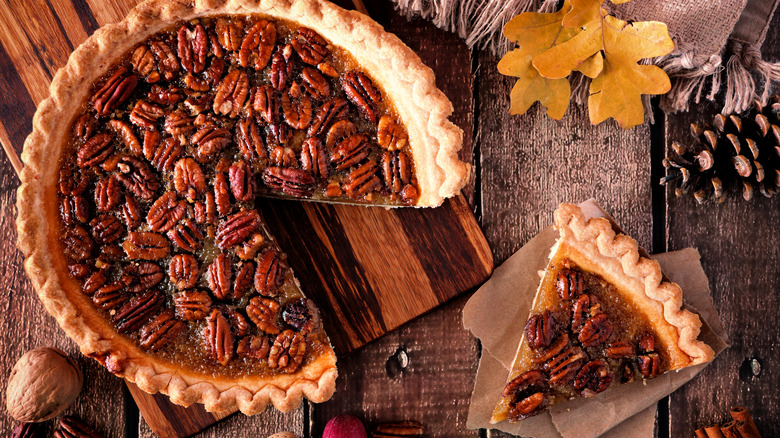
(42, 384)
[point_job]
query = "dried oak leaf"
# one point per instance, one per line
(535, 33)
(616, 91)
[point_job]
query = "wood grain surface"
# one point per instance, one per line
(525, 166)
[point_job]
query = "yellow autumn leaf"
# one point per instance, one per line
(535, 33)
(617, 91)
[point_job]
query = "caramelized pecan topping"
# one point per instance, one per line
(167, 63)
(192, 305)
(288, 352)
(125, 133)
(281, 67)
(210, 140)
(114, 92)
(165, 212)
(137, 178)
(649, 365)
(110, 296)
(350, 152)
(244, 278)
(540, 330)
(218, 339)
(107, 194)
(314, 159)
(527, 392)
(219, 276)
(362, 93)
(264, 312)
(146, 246)
(249, 141)
(293, 182)
(269, 274)
(264, 102)
(232, 93)
(311, 47)
(593, 378)
(390, 134)
(596, 330)
(301, 314)
(258, 44)
(95, 150)
(241, 181)
(327, 117)
(186, 235)
(237, 228)
(228, 34)
(183, 271)
(161, 330)
(193, 48)
(135, 313)
(569, 284)
(362, 180)
(255, 347)
(138, 277)
(188, 178)
(78, 244)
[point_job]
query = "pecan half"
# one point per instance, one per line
(70, 183)
(264, 312)
(192, 305)
(350, 151)
(116, 90)
(593, 378)
(186, 235)
(314, 83)
(281, 67)
(137, 178)
(527, 392)
(649, 365)
(198, 104)
(78, 244)
(269, 275)
(167, 63)
(293, 182)
(95, 150)
(166, 154)
(362, 93)
(540, 330)
(238, 325)
(243, 283)
(146, 246)
(258, 44)
(596, 330)
(134, 314)
(210, 140)
(228, 34)
(75, 209)
(283, 157)
(131, 213)
(569, 284)
(141, 276)
(314, 159)
(72, 427)
(221, 193)
(302, 315)
(326, 118)
(193, 48)
(144, 63)
(241, 181)
(396, 170)
(188, 178)
(264, 102)
(565, 365)
(79, 270)
(165, 212)
(278, 134)
(161, 330)
(584, 306)
(255, 347)
(219, 276)
(560, 343)
(297, 113)
(232, 93)
(218, 339)
(110, 296)
(362, 180)
(183, 271)
(237, 228)
(179, 122)
(249, 141)
(125, 133)
(619, 350)
(110, 254)
(84, 126)
(93, 283)
(288, 352)
(390, 134)
(162, 96)
(311, 47)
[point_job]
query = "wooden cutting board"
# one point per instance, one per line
(370, 270)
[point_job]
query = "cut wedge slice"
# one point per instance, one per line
(603, 315)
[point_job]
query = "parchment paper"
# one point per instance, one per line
(497, 313)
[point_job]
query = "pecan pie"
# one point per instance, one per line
(137, 210)
(603, 316)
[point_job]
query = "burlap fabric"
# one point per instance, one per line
(716, 41)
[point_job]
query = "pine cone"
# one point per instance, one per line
(736, 152)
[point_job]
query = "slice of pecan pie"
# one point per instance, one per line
(137, 209)
(603, 316)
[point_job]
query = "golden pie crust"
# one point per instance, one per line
(423, 108)
(593, 245)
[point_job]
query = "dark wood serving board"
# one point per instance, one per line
(370, 270)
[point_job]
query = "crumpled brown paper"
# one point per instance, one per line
(498, 311)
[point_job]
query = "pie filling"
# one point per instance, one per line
(159, 180)
(582, 339)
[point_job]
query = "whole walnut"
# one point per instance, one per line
(42, 384)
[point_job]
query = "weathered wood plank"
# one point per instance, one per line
(739, 249)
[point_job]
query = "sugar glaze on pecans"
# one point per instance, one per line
(172, 149)
(581, 345)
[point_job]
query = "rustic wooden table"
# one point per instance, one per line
(524, 167)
